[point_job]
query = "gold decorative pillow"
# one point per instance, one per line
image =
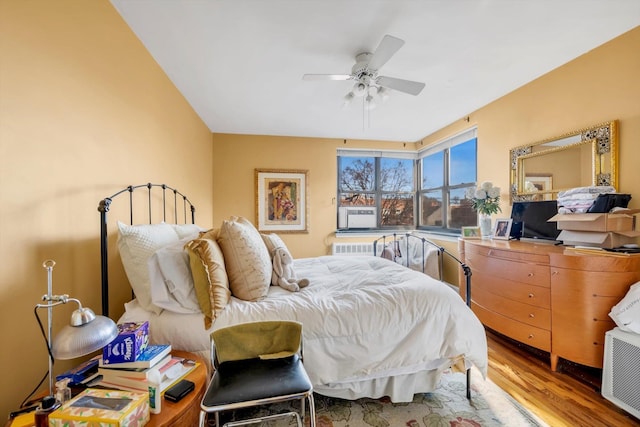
(209, 277)
(247, 259)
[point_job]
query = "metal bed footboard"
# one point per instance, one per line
(441, 252)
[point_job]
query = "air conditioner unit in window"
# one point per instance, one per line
(621, 372)
(357, 217)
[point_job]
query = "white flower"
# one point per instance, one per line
(485, 198)
(486, 186)
(494, 192)
(480, 194)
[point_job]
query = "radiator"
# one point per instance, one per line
(621, 372)
(355, 248)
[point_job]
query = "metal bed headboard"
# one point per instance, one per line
(103, 208)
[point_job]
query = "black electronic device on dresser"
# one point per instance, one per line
(530, 220)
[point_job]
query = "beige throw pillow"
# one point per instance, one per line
(209, 277)
(246, 258)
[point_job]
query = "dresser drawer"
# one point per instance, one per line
(538, 296)
(507, 254)
(524, 313)
(583, 342)
(513, 270)
(527, 334)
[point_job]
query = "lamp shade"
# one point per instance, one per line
(76, 341)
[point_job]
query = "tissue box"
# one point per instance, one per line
(132, 339)
(623, 220)
(126, 408)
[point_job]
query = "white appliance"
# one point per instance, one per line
(357, 217)
(621, 372)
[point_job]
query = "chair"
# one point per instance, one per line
(257, 363)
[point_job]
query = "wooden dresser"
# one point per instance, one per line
(546, 296)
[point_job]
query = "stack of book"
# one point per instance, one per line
(134, 376)
(83, 374)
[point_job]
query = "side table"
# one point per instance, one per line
(186, 412)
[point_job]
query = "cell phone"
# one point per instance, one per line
(179, 390)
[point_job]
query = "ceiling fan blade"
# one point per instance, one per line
(326, 77)
(385, 50)
(401, 85)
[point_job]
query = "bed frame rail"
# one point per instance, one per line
(103, 208)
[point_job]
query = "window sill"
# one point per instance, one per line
(375, 234)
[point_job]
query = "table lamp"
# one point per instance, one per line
(85, 333)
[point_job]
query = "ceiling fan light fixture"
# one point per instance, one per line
(383, 93)
(347, 99)
(370, 102)
(359, 89)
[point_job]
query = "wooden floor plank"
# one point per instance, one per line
(567, 398)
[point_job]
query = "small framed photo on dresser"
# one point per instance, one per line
(471, 233)
(502, 229)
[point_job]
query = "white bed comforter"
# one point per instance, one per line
(363, 318)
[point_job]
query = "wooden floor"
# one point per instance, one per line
(569, 397)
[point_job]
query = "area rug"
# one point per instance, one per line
(447, 406)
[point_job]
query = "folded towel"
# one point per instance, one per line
(593, 189)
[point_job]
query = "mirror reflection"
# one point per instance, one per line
(581, 158)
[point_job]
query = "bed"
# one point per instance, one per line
(372, 327)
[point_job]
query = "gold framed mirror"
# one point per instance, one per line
(581, 158)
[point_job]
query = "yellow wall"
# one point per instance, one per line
(84, 111)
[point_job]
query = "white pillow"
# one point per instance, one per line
(626, 313)
(136, 244)
(246, 258)
(171, 280)
(187, 231)
(273, 241)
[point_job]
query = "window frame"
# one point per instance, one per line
(417, 192)
(445, 189)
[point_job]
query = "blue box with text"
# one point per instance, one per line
(132, 339)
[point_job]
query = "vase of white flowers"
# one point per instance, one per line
(486, 201)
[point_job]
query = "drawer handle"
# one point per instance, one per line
(531, 315)
(530, 274)
(531, 295)
(530, 336)
(554, 272)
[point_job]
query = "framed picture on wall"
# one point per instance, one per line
(281, 200)
(502, 229)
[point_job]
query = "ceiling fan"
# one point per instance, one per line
(368, 83)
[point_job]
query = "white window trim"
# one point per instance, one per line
(449, 142)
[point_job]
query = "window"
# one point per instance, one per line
(447, 170)
(406, 190)
(376, 189)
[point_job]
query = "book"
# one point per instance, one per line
(171, 376)
(82, 373)
(151, 356)
(110, 371)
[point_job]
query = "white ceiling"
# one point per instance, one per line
(239, 63)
